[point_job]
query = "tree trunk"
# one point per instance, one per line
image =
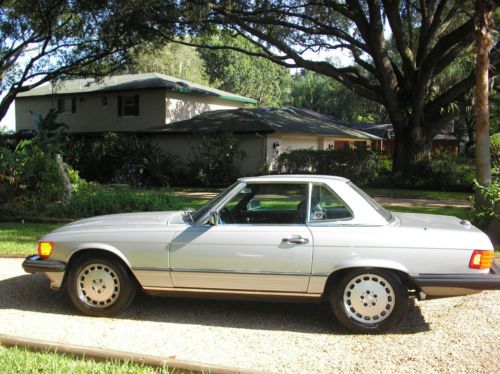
(410, 146)
(484, 27)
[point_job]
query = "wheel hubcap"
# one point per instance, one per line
(369, 298)
(98, 285)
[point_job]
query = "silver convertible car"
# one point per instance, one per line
(294, 237)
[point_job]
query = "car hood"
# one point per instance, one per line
(147, 219)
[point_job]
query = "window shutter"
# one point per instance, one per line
(136, 104)
(120, 106)
(73, 105)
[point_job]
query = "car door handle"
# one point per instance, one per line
(295, 240)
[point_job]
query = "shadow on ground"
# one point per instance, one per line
(32, 293)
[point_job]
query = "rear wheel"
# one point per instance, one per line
(100, 286)
(369, 300)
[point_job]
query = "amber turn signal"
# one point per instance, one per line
(481, 260)
(45, 249)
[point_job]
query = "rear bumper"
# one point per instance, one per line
(442, 285)
(34, 264)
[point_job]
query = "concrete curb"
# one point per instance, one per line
(99, 354)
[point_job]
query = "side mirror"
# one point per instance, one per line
(213, 219)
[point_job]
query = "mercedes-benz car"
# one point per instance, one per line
(295, 237)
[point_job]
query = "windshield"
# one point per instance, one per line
(212, 203)
(380, 210)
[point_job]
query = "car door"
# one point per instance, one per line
(261, 243)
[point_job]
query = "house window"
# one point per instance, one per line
(67, 105)
(128, 106)
(104, 101)
(359, 145)
(341, 144)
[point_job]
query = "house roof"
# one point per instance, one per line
(382, 130)
(386, 130)
(132, 82)
(266, 120)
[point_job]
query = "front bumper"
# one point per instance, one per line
(54, 270)
(443, 285)
(34, 264)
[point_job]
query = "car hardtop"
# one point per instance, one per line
(283, 178)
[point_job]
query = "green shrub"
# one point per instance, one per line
(216, 159)
(119, 158)
(483, 209)
(442, 171)
(38, 177)
(495, 155)
(92, 200)
(360, 165)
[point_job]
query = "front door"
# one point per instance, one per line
(261, 243)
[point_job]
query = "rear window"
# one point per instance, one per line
(380, 210)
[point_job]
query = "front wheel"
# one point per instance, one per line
(100, 287)
(369, 300)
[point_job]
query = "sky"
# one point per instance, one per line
(9, 121)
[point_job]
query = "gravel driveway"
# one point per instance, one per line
(455, 335)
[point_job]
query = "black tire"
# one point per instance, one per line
(369, 300)
(100, 286)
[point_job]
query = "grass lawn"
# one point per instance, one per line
(446, 211)
(439, 195)
(19, 360)
(16, 238)
(188, 202)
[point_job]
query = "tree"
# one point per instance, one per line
(172, 59)
(484, 26)
(399, 50)
(325, 95)
(245, 75)
(46, 40)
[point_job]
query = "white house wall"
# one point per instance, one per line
(289, 143)
(156, 107)
(91, 115)
(180, 107)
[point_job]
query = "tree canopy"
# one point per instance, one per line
(46, 40)
(325, 95)
(245, 75)
(400, 52)
(172, 59)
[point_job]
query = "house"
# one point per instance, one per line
(263, 133)
(130, 102)
(446, 140)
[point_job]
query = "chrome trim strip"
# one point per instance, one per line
(229, 271)
(250, 272)
(139, 268)
(233, 292)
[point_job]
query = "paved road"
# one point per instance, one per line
(449, 335)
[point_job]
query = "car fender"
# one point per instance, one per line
(370, 263)
(319, 281)
(100, 246)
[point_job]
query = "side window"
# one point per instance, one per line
(128, 106)
(326, 206)
(280, 203)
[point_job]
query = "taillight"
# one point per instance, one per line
(45, 249)
(481, 260)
